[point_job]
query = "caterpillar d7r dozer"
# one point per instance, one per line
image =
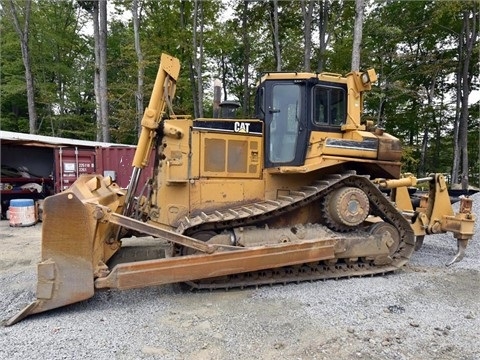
(295, 194)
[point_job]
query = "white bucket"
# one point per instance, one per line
(22, 212)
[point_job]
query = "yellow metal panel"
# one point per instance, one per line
(177, 150)
(177, 164)
(170, 199)
(330, 77)
(359, 135)
(317, 139)
(195, 155)
(230, 156)
(212, 194)
(355, 144)
(171, 204)
(175, 212)
(221, 192)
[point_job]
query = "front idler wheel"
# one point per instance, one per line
(383, 228)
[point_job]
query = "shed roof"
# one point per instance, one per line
(14, 138)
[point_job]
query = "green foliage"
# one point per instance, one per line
(416, 59)
(411, 44)
(59, 57)
(13, 100)
(409, 159)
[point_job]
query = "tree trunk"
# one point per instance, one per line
(430, 106)
(96, 77)
(357, 34)
(23, 34)
(458, 101)
(224, 77)
(103, 70)
(186, 49)
(307, 12)
(246, 58)
(140, 66)
(467, 39)
(470, 40)
(198, 57)
(275, 34)
(322, 31)
(200, 60)
(423, 152)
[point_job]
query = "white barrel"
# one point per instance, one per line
(22, 212)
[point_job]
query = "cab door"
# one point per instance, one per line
(285, 124)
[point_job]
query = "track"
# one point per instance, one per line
(262, 212)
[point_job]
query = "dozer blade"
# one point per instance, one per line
(65, 274)
(72, 246)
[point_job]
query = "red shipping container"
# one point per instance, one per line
(113, 161)
(117, 163)
(70, 163)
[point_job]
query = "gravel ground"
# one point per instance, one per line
(425, 311)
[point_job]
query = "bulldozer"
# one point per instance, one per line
(296, 193)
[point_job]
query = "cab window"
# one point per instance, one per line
(329, 106)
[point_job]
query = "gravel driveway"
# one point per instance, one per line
(425, 311)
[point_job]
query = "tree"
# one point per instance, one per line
(59, 61)
(338, 55)
(467, 39)
(323, 15)
(98, 66)
(424, 62)
(198, 26)
(233, 56)
(16, 12)
(246, 57)
(13, 99)
(275, 34)
(307, 12)
(98, 10)
(101, 47)
(136, 20)
(357, 34)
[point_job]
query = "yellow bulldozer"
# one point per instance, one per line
(294, 194)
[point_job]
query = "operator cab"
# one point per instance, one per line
(291, 109)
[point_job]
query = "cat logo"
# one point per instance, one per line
(241, 127)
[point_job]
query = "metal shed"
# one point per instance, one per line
(36, 166)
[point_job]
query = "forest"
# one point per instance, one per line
(84, 69)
